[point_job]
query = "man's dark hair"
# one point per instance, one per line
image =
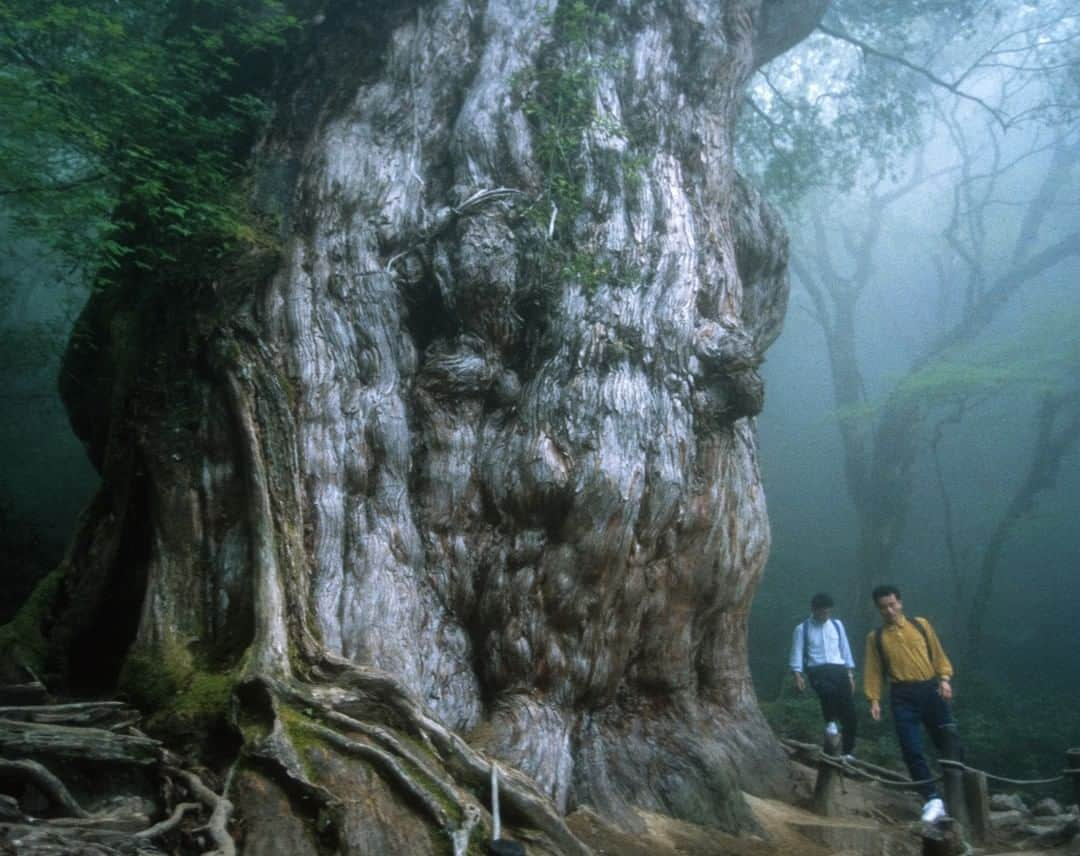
(884, 591)
(821, 601)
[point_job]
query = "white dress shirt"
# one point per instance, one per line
(826, 644)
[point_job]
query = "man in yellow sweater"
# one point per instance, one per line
(908, 652)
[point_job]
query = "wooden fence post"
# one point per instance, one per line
(828, 777)
(955, 802)
(977, 797)
(1072, 771)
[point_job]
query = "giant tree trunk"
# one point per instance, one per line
(479, 457)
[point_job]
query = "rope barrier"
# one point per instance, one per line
(946, 762)
(860, 770)
(850, 767)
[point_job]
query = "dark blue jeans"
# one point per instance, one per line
(914, 705)
(833, 688)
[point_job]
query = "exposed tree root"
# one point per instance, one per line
(169, 824)
(361, 694)
(29, 693)
(367, 714)
(70, 743)
(46, 782)
(220, 813)
(355, 710)
(39, 840)
(469, 766)
(406, 768)
(111, 715)
(65, 734)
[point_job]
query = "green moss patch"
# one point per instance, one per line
(23, 640)
(207, 696)
(187, 702)
(152, 679)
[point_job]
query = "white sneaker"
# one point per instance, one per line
(933, 810)
(832, 729)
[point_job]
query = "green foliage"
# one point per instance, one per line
(32, 327)
(126, 125)
(1021, 729)
(854, 98)
(299, 726)
(797, 716)
(171, 681)
(1041, 355)
(26, 554)
(205, 697)
(558, 97)
(907, 26)
(827, 121)
(29, 346)
(1018, 731)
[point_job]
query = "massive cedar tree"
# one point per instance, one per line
(471, 474)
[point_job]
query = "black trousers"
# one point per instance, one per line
(833, 688)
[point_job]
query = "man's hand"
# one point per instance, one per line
(945, 689)
(800, 682)
(875, 711)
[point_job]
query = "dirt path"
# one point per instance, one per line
(872, 821)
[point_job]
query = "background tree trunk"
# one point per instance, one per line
(479, 456)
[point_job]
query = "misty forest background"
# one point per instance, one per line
(922, 418)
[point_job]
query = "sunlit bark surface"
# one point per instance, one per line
(430, 452)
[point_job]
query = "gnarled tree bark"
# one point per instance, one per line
(478, 460)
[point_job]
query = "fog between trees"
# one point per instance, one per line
(940, 296)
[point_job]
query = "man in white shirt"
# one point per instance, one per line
(820, 649)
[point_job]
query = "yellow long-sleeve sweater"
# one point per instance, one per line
(906, 652)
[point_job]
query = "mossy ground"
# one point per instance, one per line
(24, 640)
(188, 705)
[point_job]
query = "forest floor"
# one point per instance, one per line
(868, 819)
(871, 821)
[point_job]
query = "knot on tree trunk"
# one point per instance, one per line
(467, 366)
(728, 385)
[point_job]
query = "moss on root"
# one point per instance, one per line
(24, 641)
(189, 705)
(299, 723)
(153, 678)
(207, 696)
(302, 736)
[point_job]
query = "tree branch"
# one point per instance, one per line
(783, 24)
(982, 311)
(954, 88)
